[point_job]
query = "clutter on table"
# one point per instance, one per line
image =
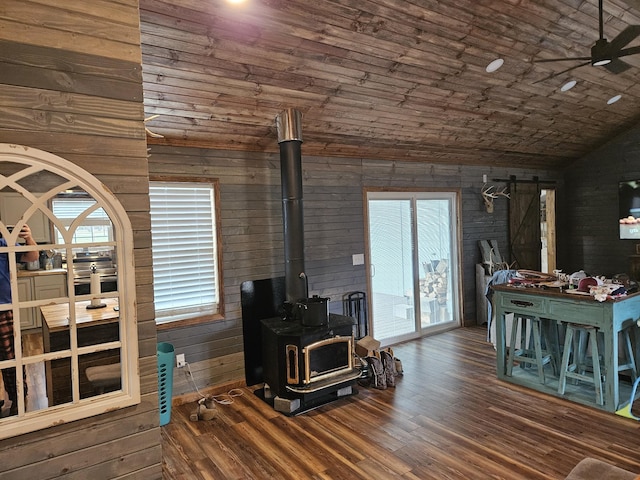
(577, 283)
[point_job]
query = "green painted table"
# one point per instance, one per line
(554, 306)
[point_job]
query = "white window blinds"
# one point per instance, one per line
(96, 227)
(184, 248)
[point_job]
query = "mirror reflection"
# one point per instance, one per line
(67, 294)
(102, 373)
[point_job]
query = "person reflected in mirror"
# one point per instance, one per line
(6, 317)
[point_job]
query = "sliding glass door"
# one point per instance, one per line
(413, 263)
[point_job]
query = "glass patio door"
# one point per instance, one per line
(413, 263)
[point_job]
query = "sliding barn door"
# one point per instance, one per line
(524, 225)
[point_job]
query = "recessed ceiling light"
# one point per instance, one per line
(614, 99)
(495, 65)
(568, 86)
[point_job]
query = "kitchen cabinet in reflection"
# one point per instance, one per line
(39, 284)
(98, 332)
(12, 208)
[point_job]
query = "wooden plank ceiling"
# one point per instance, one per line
(388, 79)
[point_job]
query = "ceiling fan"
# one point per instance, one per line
(604, 53)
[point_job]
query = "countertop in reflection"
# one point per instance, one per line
(39, 273)
(57, 316)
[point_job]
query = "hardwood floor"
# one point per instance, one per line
(447, 418)
(35, 377)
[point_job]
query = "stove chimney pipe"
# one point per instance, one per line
(289, 125)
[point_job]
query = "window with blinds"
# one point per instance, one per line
(96, 227)
(185, 257)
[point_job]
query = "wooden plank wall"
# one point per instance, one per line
(252, 237)
(592, 231)
(71, 84)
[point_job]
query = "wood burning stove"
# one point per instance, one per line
(306, 352)
(304, 367)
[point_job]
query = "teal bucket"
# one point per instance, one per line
(166, 357)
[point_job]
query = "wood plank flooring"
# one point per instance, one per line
(35, 376)
(447, 418)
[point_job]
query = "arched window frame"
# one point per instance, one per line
(129, 394)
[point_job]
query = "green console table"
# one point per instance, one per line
(557, 308)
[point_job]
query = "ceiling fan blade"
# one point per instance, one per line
(553, 75)
(625, 52)
(544, 60)
(625, 37)
(633, 4)
(617, 66)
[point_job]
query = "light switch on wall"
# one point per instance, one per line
(358, 259)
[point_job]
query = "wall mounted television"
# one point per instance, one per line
(629, 215)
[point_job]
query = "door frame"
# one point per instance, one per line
(550, 223)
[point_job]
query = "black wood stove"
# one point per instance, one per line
(302, 353)
(304, 367)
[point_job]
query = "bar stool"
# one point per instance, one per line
(525, 355)
(104, 377)
(575, 349)
(630, 361)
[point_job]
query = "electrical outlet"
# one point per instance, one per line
(180, 361)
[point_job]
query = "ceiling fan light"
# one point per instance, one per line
(601, 53)
(495, 65)
(601, 62)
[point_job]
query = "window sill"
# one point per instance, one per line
(180, 321)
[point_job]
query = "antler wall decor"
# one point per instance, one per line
(490, 193)
(149, 132)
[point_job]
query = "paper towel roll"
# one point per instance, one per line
(95, 289)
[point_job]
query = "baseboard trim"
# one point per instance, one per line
(212, 390)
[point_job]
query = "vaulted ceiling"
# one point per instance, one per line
(389, 79)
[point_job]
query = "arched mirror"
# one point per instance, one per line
(68, 294)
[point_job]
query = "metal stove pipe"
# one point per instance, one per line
(289, 126)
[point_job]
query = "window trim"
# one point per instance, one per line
(198, 318)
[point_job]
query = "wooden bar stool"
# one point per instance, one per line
(630, 361)
(574, 358)
(525, 355)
